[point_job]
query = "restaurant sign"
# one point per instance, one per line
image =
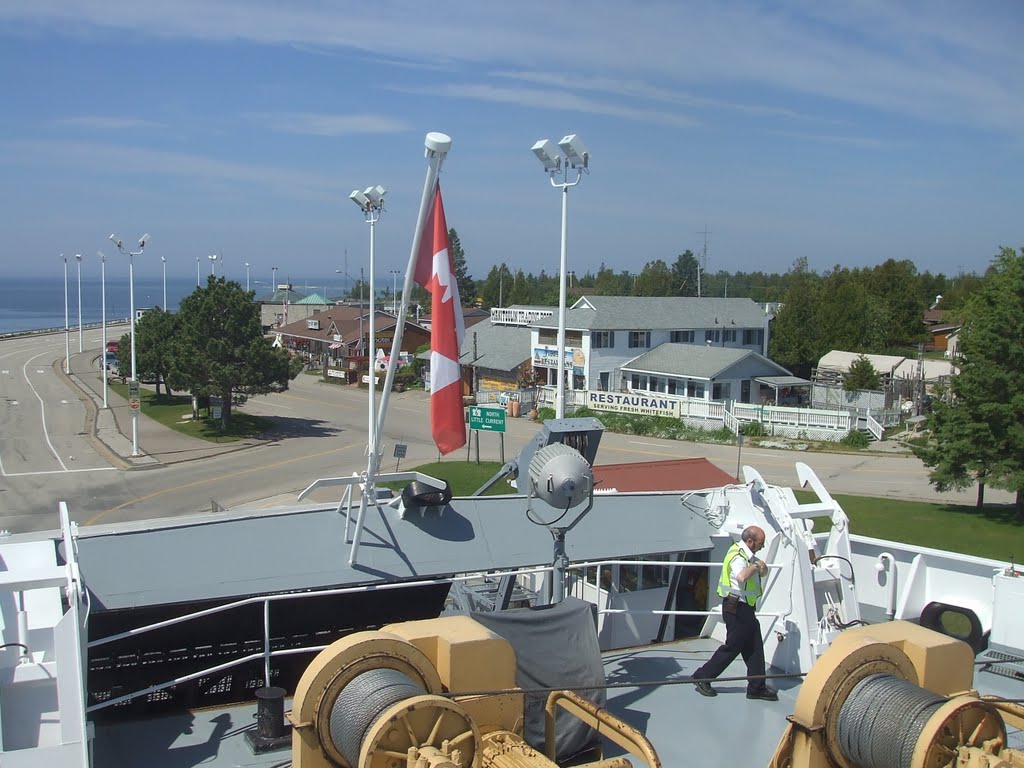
(639, 403)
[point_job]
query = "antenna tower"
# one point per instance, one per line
(702, 262)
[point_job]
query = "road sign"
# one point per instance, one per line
(487, 419)
(133, 395)
(400, 449)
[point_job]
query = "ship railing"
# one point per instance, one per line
(268, 653)
(580, 583)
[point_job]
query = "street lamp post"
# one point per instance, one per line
(273, 279)
(103, 312)
(394, 290)
(131, 308)
(163, 264)
(197, 271)
(67, 331)
(78, 258)
(247, 277)
(371, 203)
(213, 263)
(577, 158)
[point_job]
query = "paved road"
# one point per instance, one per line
(58, 443)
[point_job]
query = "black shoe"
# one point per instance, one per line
(765, 694)
(704, 688)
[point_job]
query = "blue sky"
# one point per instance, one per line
(842, 132)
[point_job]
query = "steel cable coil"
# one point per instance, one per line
(361, 702)
(881, 720)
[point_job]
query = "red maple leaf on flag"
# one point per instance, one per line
(435, 271)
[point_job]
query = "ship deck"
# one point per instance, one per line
(654, 697)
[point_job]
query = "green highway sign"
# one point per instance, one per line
(487, 419)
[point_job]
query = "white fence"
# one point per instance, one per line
(793, 417)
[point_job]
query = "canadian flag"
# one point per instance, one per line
(436, 272)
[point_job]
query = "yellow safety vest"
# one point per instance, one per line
(752, 586)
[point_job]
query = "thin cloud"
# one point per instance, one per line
(93, 156)
(639, 89)
(106, 122)
(950, 62)
(551, 99)
(862, 142)
(313, 124)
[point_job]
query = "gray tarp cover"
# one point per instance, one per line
(556, 647)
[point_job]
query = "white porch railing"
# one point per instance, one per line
(876, 429)
(731, 423)
(792, 417)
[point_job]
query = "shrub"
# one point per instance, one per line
(754, 429)
(545, 413)
(855, 439)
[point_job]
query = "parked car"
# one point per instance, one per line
(112, 346)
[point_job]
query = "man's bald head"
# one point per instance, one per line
(753, 537)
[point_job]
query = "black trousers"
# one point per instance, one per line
(742, 637)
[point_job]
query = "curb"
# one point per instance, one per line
(91, 418)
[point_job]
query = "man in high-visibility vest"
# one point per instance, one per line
(739, 586)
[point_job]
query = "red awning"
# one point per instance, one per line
(334, 345)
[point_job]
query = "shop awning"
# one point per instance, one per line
(334, 345)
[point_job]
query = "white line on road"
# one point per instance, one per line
(58, 471)
(42, 409)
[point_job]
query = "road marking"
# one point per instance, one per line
(42, 410)
(321, 402)
(92, 520)
(58, 471)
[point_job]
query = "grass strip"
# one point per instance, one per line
(176, 412)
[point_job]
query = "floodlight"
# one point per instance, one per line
(78, 256)
(100, 254)
(143, 240)
(547, 154)
(375, 194)
(575, 150)
(115, 240)
(359, 199)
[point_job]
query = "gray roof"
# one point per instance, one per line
(614, 313)
(501, 347)
(700, 361)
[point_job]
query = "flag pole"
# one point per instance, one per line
(437, 146)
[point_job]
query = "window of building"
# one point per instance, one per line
(694, 389)
(629, 577)
(602, 339)
(639, 339)
(681, 337)
(671, 386)
(721, 391)
(654, 384)
(635, 381)
(729, 335)
(712, 335)
(753, 337)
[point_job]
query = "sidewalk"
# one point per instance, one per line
(110, 429)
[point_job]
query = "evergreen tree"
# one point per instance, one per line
(861, 375)
(979, 435)
(684, 274)
(795, 339)
(220, 348)
(155, 332)
(467, 286)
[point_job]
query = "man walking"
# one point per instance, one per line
(740, 587)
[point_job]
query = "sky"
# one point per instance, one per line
(846, 133)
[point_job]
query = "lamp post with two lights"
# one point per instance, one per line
(134, 385)
(574, 156)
